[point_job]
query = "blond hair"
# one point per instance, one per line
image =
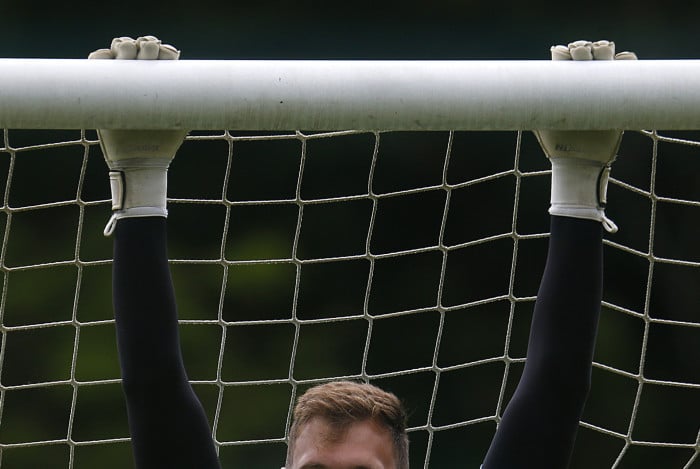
(342, 403)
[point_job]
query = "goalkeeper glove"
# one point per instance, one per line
(138, 160)
(581, 160)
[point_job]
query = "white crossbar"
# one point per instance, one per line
(360, 95)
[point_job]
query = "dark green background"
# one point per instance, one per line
(360, 29)
(385, 30)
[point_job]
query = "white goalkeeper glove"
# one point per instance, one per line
(138, 160)
(581, 159)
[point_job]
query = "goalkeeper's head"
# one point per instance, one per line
(348, 424)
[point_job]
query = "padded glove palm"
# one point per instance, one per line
(581, 159)
(138, 159)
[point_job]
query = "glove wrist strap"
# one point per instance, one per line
(579, 190)
(135, 212)
(137, 192)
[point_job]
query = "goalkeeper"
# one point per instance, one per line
(168, 425)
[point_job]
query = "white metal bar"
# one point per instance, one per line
(361, 95)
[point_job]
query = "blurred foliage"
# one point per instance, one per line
(338, 167)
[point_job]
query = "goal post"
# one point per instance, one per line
(329, 231)
(361, 95)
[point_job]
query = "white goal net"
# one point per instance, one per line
(407, 259)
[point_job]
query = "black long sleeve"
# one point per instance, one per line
(539, 425)
(167, 422)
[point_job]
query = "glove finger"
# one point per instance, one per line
(168, 52)
(124, 48)
(560, 53)
(581, 50)
(148, 47)
(101, 54)
(626, 56)
(603, 50)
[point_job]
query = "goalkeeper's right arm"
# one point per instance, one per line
(168, 425)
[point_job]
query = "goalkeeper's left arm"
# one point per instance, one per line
(539, 426)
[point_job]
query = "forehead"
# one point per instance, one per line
(362, 445)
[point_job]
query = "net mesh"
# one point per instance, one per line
(410, 260)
